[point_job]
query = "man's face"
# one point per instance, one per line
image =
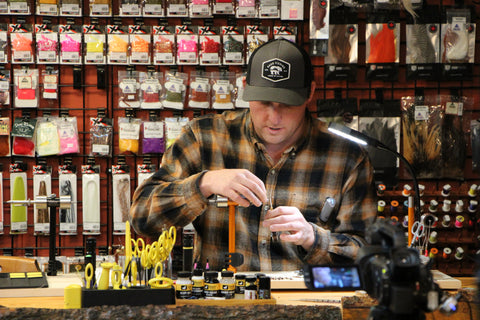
(278, 125)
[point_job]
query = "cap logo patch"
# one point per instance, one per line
(276, 70)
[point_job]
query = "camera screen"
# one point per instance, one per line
(335, 278)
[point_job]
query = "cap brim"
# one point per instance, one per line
(292, 97)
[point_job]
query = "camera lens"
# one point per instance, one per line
(405, 257)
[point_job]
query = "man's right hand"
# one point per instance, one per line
(239, 185)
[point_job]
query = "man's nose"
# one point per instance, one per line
(275, 112)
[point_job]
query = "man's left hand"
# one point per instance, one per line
(293, 224)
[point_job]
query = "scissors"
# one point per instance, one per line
(160, 282)
(89, 276)
(166, 242)
(418, 230)
(138, 247)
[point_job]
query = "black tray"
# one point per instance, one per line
(135, 296)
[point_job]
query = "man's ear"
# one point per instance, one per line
(313, 85)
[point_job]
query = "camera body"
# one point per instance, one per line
(389, 272)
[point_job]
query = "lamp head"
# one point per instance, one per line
(352, 135)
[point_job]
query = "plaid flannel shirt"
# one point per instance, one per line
(320, 165)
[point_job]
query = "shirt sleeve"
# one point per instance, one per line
(356, 212)
(171, 197)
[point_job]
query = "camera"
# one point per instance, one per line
(388, 271)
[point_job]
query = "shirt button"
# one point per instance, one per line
(272, 172)
(263, 242)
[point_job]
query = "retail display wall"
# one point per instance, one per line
(85, 91)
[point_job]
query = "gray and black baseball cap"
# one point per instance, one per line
(279, 71)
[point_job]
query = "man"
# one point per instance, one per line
(273, 154)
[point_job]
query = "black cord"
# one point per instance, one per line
(469, 306)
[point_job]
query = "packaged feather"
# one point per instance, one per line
(145, 171)
(18, 191)
(42, 187)
(454, 144)
(422, 137)
(129, 134)
(458, 44)
(380, 119)
(91, 199)
(319, 27)
(383, 46)
(121, 197)
(423, 45)
(48, 141)
(475, 141)
(67, 184)
(341, 60)
(23, 133)
(101, 136)
(339, 110)
(4, 136)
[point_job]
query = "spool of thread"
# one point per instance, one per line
(394, 206)
(459, 206)
(430, 220)
(446, 253)
(421, 189)
(405, 207)
(433, 205)
(472, 192)
(405, 221)
(381, 206)
(446, 205)
(433, 253)
(459, 252)
(433, 237)
(446, 221)
(472, 206)
(381, 189)
(459, 221)
(394, 218)
(446, 190)
(407, 190)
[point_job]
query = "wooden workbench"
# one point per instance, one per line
(52, 298)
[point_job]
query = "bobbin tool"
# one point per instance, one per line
(232, 258)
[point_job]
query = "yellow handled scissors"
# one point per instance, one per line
(166, 242)
(89, 276)
(160, 282)
(138, 247)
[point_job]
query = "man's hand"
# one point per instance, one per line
(239, 185)
(292, 222)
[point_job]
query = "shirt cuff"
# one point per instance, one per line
(196, 200)
(318, 253)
